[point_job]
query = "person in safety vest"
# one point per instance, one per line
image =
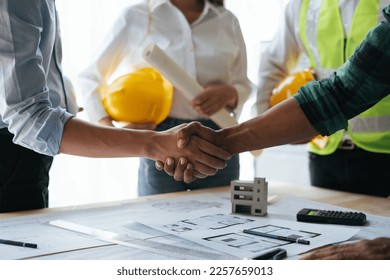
(205, 39)
(325, 34)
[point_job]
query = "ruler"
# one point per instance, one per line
(140, 244)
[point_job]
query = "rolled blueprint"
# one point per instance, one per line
(189, 87)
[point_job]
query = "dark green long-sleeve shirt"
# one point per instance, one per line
(356, 86)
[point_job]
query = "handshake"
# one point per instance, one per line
(191, 151)
(198, 152)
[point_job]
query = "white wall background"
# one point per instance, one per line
(76, 180)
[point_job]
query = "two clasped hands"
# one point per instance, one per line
(214, 154)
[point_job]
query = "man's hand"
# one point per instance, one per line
(181, 171)
(196, 129)
(197, 157)
(376, 249)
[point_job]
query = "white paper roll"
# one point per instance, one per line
(182, 81)
(189, 87)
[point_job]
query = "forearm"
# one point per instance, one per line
(274, 127)
(85, 139)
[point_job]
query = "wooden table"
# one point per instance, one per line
(278, 190)
(369, 204)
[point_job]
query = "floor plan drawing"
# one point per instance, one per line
(225, 233)
(256, 244)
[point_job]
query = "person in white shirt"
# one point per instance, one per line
(202, 37)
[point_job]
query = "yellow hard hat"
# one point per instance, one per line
(143, 96)
(290, 85)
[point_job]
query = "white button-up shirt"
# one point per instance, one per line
(32, 94)
(211, 49)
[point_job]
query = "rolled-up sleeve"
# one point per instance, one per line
(27, 40)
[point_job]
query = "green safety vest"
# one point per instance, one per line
(322, 34)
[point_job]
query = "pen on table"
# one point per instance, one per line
(18, 243)
(285, 238)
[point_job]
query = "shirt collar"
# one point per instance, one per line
(209, 6)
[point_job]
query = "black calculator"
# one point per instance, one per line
(331, 217)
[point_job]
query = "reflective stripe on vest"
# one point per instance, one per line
(322, 34)
(370, 124)
(371, 129)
